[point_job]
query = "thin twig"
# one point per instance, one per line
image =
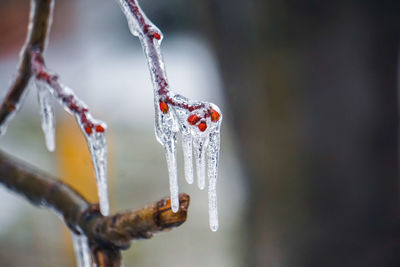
(39, 24)
(151, 38)
(65, 95)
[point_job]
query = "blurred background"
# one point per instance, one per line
(309, 167)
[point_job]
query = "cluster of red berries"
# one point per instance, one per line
(98, 128)
(89, 125)
(194, 119)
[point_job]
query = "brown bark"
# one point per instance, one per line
(36, 39)
(106, 234)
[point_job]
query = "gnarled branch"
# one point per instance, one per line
(106, 234)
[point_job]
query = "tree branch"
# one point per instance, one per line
(106, 234)
(121, 228)
(199, 122)
(39, 24)
(47, 83)
(65, 95)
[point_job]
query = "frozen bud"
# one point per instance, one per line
(164, 107)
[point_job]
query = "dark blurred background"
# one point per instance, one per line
(309, 92)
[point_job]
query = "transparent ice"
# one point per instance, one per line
(98, 151)
(97, 145)
(11, 114)
(168, 124)
(46, 114)
(81, 249)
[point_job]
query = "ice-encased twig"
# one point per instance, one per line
(40, 19)
(94, 130)
(199, 122)
(81, 249)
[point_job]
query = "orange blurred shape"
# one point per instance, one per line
(75, 167)
(73, 157)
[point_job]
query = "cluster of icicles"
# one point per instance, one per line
(198, 122)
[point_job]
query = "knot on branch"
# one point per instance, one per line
(121, 228)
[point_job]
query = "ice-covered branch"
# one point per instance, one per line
(39, 24)
(32, 67)
(198, 122)
(106, 234)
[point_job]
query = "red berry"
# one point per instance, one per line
(214, 115)
(157, 35)
(193, 119)
(202, 126)
(164, 107)
(42, 75)
(88, 129)
(99, 129)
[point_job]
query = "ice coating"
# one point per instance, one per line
(95, 133)
(198, 122)
(98, 151)
(187, 146)
(213, 156)
(12, 113)
(81, 249)
(94, 130)
(46, 114)
(170, 153)
(199, 144)
(14, 107)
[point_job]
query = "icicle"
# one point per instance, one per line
(213, 157)
(187, 147)
(199, 144)
(82, 251)
(170, 152)
(199, 122)
(98, 151)
(166, 133)
(47, 114)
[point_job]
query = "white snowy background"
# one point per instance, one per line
(97, 57)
